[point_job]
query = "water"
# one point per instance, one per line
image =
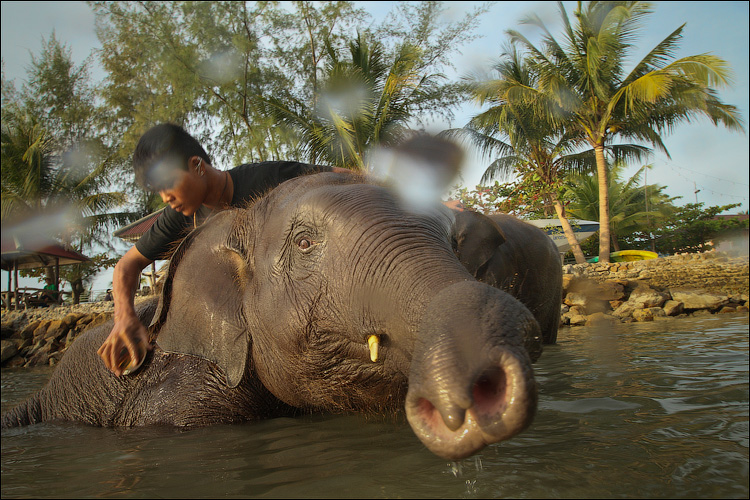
(657, 410)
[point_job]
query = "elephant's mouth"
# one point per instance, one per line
(501, 403)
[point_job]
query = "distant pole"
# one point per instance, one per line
(696, 191)
(648, 214)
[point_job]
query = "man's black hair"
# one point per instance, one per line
(161, 150)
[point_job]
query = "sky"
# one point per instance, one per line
(707, 164)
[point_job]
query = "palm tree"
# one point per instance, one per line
(36, 182)
(360, 103)
(634, 208)
(534, 149)
(583, 85)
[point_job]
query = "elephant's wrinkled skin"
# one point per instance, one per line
(266, 312)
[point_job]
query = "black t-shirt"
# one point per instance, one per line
(250, 181)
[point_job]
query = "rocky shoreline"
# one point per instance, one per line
(675, 286)
(679, 285)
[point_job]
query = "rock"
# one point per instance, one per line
(643, 296)
(56, 329)
(72, 318)
(28, 331)
(694, 299)
(8, 349)
(41, 330)
(614, 304)
(673, 308)
(15, 362)
(577, 320)
(642, 315)
(7, 330)
(601, 318)
(624, 311)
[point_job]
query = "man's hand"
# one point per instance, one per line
(126, 347)
(127, 344)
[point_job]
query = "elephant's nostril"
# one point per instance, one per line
(452, 416)
(490, 392)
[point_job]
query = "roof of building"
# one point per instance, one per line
(133, 231)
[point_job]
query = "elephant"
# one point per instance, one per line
(324, 295)
(516, 257)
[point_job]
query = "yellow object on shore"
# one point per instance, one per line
(630, 255)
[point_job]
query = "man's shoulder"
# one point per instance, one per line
(274, 165)
(255, 179)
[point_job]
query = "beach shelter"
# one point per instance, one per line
(27, 251)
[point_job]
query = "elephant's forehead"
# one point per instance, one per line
(366, 202)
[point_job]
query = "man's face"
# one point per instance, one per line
(187, 192)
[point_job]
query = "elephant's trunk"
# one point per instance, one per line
(471, 382)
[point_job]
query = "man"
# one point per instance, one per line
(168, 160)
(49, 293)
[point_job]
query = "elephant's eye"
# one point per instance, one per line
(304, 244)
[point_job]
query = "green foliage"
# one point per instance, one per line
(520, 198)
(362, 101)
(584, 86)
(692, 228)
(537, 151)
(633, 207)
(55, 173)
(229, 71)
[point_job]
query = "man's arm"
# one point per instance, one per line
(127, 333)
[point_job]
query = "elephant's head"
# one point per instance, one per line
(336, 298)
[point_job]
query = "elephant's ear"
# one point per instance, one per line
(475, 239)
(200, 310)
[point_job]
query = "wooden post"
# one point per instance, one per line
(7, 295)
(58, 299)
(15, 288)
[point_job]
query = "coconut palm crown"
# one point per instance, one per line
(583, 84)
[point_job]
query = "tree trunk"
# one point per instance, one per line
(604, 238)
(569, 233)
(76, 286)
(615, 242)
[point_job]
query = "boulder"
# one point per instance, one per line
(577, 320)
(56, 329)
(695, 299)
(600, 318)
(643, 296)
(624, 311)
(41, 331)
(8, 349)
(673, 308)
(28, 330)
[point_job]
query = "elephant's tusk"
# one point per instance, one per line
(372, 342)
